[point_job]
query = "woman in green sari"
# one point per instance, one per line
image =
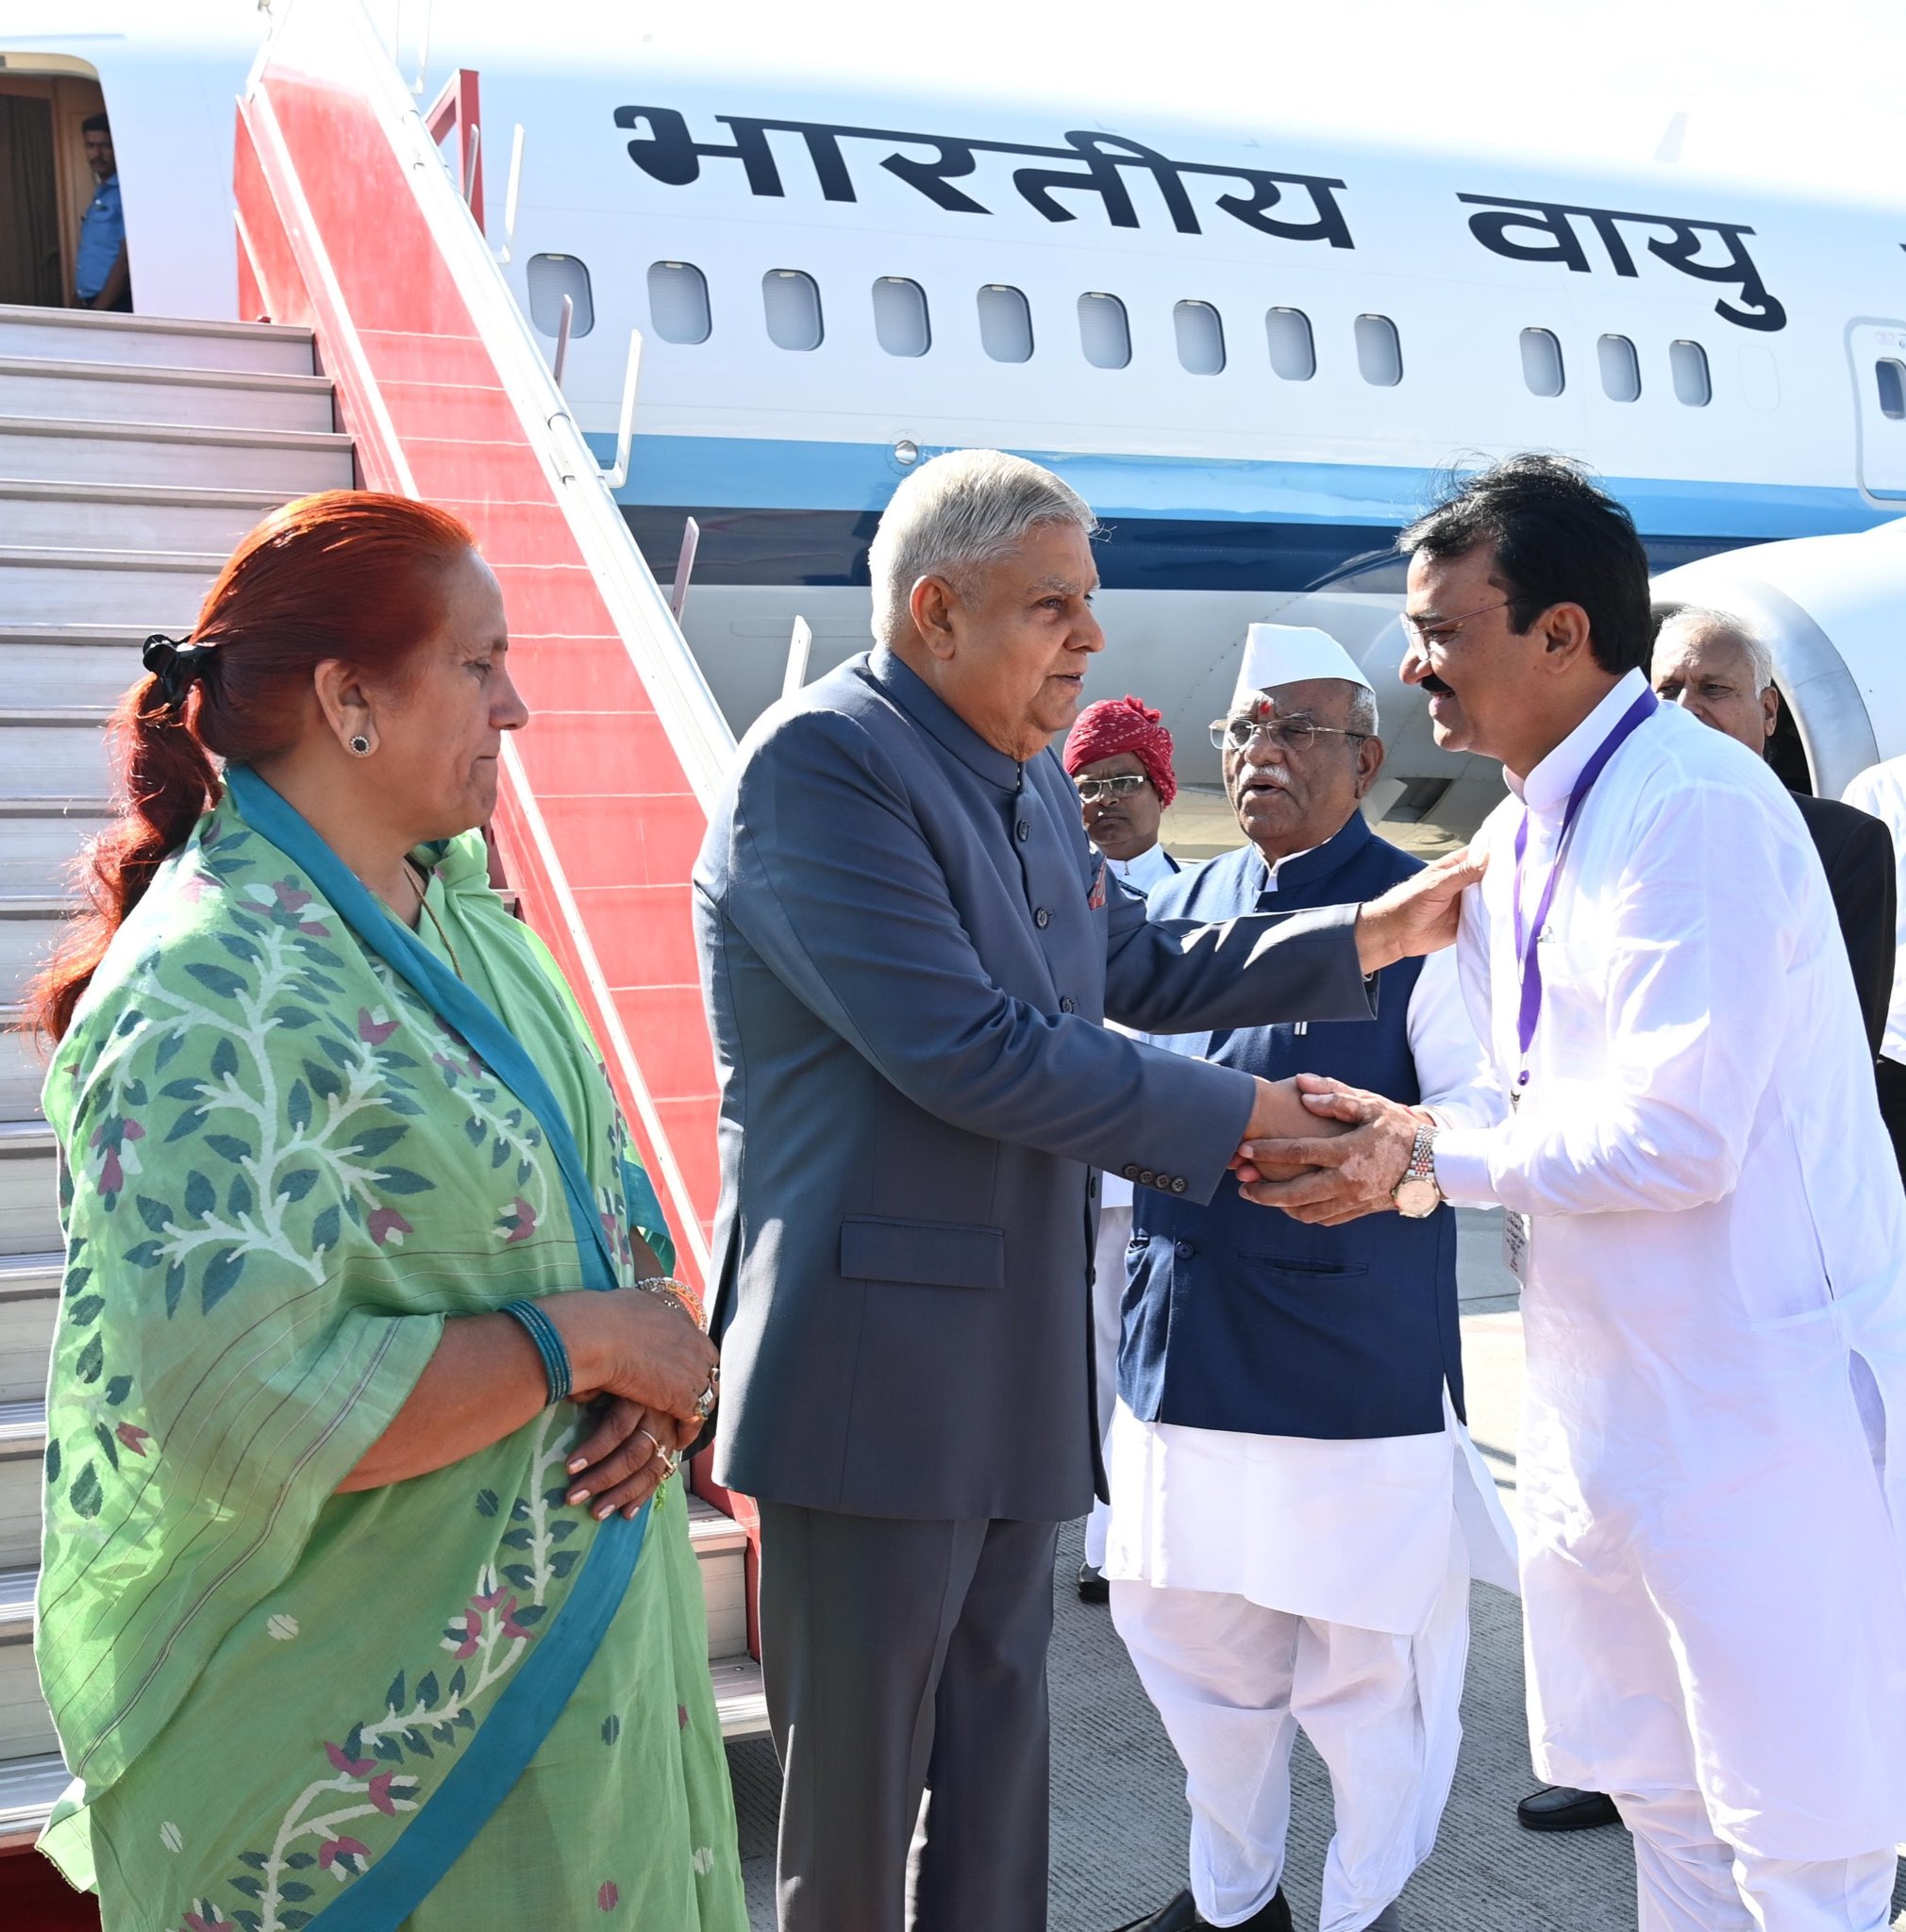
(348, 1619)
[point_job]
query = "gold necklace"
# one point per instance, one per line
(417, 880)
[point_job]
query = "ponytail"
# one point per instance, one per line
(347, 575)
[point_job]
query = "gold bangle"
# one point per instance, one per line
(684, 1297)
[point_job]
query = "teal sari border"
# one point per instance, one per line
(526, 1711)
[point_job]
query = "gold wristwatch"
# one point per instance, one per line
(1417, 1194)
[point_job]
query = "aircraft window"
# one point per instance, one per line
(1689, 363)
(1620, 369)
(1201, 337)
(900, 316)
(1891, 376)
(1379, 353)
(791, 303)
(1103, 332)
(678, 301)
(1542, 362)
(552, 278)
(1005, 324)
(1293, 353)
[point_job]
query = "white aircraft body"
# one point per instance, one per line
(1253, 351)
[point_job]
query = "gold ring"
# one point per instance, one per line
(655, 1442)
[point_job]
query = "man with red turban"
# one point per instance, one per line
(1118, 753)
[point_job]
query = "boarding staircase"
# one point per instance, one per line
(134, 452)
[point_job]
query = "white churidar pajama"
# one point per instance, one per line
(1150, 868)
(1715, 1331)
(1268, 1583)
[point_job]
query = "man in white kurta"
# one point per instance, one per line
(1119, 755)
(1296, 1507)
(1713, 1310)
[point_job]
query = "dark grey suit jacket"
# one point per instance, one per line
(1856, 849)
(907, 948)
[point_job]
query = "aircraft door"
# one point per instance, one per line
(1876, 351)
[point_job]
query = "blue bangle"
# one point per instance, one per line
(548, 1340)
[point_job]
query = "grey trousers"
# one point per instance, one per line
(904, 1658)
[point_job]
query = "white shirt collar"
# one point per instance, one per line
(1273, 866)
(1145, 871)
(1546, 789)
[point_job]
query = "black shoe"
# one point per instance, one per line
(1094, 1588)
(1181, 1915)
(1562, 1807)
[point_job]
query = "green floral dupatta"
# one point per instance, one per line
(283, 1170)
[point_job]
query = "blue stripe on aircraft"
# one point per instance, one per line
(768, 473)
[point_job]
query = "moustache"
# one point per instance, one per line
(1435, 687)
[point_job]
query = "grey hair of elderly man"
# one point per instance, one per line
(1715, 666)
(983, 577)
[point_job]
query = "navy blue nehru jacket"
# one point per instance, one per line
(1238, 1317)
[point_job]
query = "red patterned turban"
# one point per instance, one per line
(1115, 724)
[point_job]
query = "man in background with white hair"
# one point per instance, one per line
(1296, 1508)
(907, 951)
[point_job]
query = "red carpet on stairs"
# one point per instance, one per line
(34, 1898)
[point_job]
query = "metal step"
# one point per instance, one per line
(29, 1789)
(29, 1304)
(163, 589)
(78, 335)
(136, 393)
(23, 1073)
(29, 1192)
(73, 516)
(55, 753)
(70, 663)
(40, 839)
(22, 1454)
(85, 451)
(26, 1723)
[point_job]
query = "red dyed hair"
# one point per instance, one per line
(347, 575)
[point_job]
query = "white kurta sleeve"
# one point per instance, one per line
(1702, 926)
(1453, 1073)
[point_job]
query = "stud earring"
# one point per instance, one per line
(361, 746)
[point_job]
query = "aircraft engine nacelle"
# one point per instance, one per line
(1833, 612)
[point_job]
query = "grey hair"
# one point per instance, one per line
(1364, 710)
(954, 516)
(1702, 618)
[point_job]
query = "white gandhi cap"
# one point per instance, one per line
(1288, 653)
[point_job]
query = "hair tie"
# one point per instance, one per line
(175, 665)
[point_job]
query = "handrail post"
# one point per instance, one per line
(684, 567)
(563, 329)
(510, 194)
(800, 647)
(617, 474)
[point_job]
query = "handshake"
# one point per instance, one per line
(1327, 1153)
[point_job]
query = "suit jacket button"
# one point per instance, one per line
(1068, 1005)
(1178, 1184)
(1023, 831)
(1042, 919)
(1145, 1176)
(1183, 1250)
(1131, 1170)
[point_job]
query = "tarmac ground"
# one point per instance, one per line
(1119, 1821)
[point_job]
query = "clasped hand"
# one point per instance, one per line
(1348, 1167)
(655, 1364)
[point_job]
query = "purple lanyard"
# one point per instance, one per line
(1528, 943)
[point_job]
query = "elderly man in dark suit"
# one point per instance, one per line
(1713, 665)
(907, 950)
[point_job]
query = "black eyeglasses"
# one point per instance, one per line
(1103, 791)
(1240, 734)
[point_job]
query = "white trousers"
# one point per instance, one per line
(1107, 1292)
(1233, 1681)
(1686, 1880)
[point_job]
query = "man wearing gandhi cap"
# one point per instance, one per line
(1297, 1509)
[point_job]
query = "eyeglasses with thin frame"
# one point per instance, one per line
(1104, 791)
(1442, 631)
(1300, 734)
